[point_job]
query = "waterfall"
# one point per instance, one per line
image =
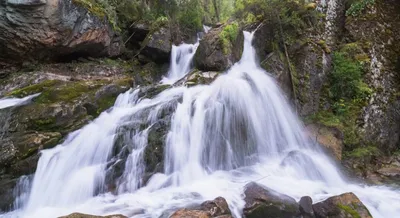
(181, 62)
(221, 136)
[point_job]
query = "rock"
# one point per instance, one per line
(81, 215)
(197, 78)
(216, 53)
(329, 137)
(264, 202)
(68, 101)
(57, 30)
(341, 206)
(380, 27)
(157, 45)
(185, 213)
(305, 206)
(215, 208)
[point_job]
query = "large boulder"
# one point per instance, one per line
(55, 30)
(264, 202)
(341, 206)
(219, 49)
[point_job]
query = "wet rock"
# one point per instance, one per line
(213, 54)
(341, 206)
(57, 30)
(7, 184)
(329, 137)
(215, 208)
(81, 215)
(305, 206)
(264, 202)
(197, 78)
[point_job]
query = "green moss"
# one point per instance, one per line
(64, 93)
(228, 36)
(353, 213)
(358, 7)
(32, 89)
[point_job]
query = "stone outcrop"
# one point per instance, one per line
(341, 206)
(54, 30)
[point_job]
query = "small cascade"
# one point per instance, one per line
(181, 62)
(6, 108)
(12, 102)
(220, 136)
(206, 28)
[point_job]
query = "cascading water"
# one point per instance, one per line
(222, 136)
(181, 62)
(6, 107)
(11, 102)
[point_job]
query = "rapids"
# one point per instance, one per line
(238, 129)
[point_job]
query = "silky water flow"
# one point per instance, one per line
(220, 137)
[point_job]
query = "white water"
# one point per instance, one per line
(224, 135)
(11, 102)
(181, 62)
(206, 28)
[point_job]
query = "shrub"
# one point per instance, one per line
(228, 36)
(358, 7)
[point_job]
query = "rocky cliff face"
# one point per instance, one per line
(53, 29)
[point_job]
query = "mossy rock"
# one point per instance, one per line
(342, 206)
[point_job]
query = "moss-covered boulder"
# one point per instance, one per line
(264, 202)
(341, 206)
(220, 48)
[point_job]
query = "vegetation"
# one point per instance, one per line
(228, 36)
(358, 7)
(346, 94)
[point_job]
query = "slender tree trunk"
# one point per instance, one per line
(215, 3)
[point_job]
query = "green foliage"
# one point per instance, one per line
(347, 94)
(228, 36)
(358, 7)
(190, 14)
(346, 79)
